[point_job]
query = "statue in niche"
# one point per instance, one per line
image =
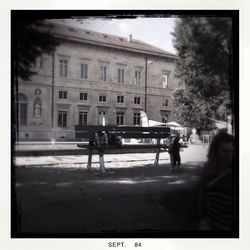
(194, 138)
(37, 108)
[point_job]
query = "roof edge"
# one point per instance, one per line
(125, 48)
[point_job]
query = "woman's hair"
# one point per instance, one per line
(213, 152)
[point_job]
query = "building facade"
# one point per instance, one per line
(94, 78)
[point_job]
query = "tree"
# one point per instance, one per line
(31, 38)
(204, 69)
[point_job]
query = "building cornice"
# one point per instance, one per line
(118, 47)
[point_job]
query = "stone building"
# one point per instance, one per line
(94, 78)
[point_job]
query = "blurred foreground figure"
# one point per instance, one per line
(218, 187)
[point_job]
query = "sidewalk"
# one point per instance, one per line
(194, 154)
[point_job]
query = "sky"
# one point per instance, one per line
(155, 31)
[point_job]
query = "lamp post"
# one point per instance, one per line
(53, 90)
(146, 82)
(52, 98)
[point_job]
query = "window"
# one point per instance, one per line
(83, 96)
(23, 114)
(120, 118)
(83, 118)
(63, 68)
(120, 99)
(102, 98)
(137, 100)
(137, 119)
(165, 103)
(62, 119)
(103, 73)
(165, 81)
(22, 109)
(62, 94)
(84, 71)
(102, 119)
(121, 75)
(164, 118)
(137, 77)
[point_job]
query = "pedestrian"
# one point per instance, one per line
(170, 150)
(176, 153)
(217, 201)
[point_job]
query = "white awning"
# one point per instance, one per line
(173, 124)
(153, 123)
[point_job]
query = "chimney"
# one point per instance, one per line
(130, 38)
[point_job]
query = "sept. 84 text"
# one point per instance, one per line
(122, 244)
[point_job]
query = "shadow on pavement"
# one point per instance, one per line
(59, 201)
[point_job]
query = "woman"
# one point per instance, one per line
(218, 189)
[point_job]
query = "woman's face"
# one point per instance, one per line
(226, 153)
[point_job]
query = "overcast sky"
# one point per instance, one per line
(155, 31)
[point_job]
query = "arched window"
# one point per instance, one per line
(22, 110)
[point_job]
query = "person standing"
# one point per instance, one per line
(170, 150)
(176, 153)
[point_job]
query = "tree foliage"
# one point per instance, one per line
(32, 38)
(204, 69)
